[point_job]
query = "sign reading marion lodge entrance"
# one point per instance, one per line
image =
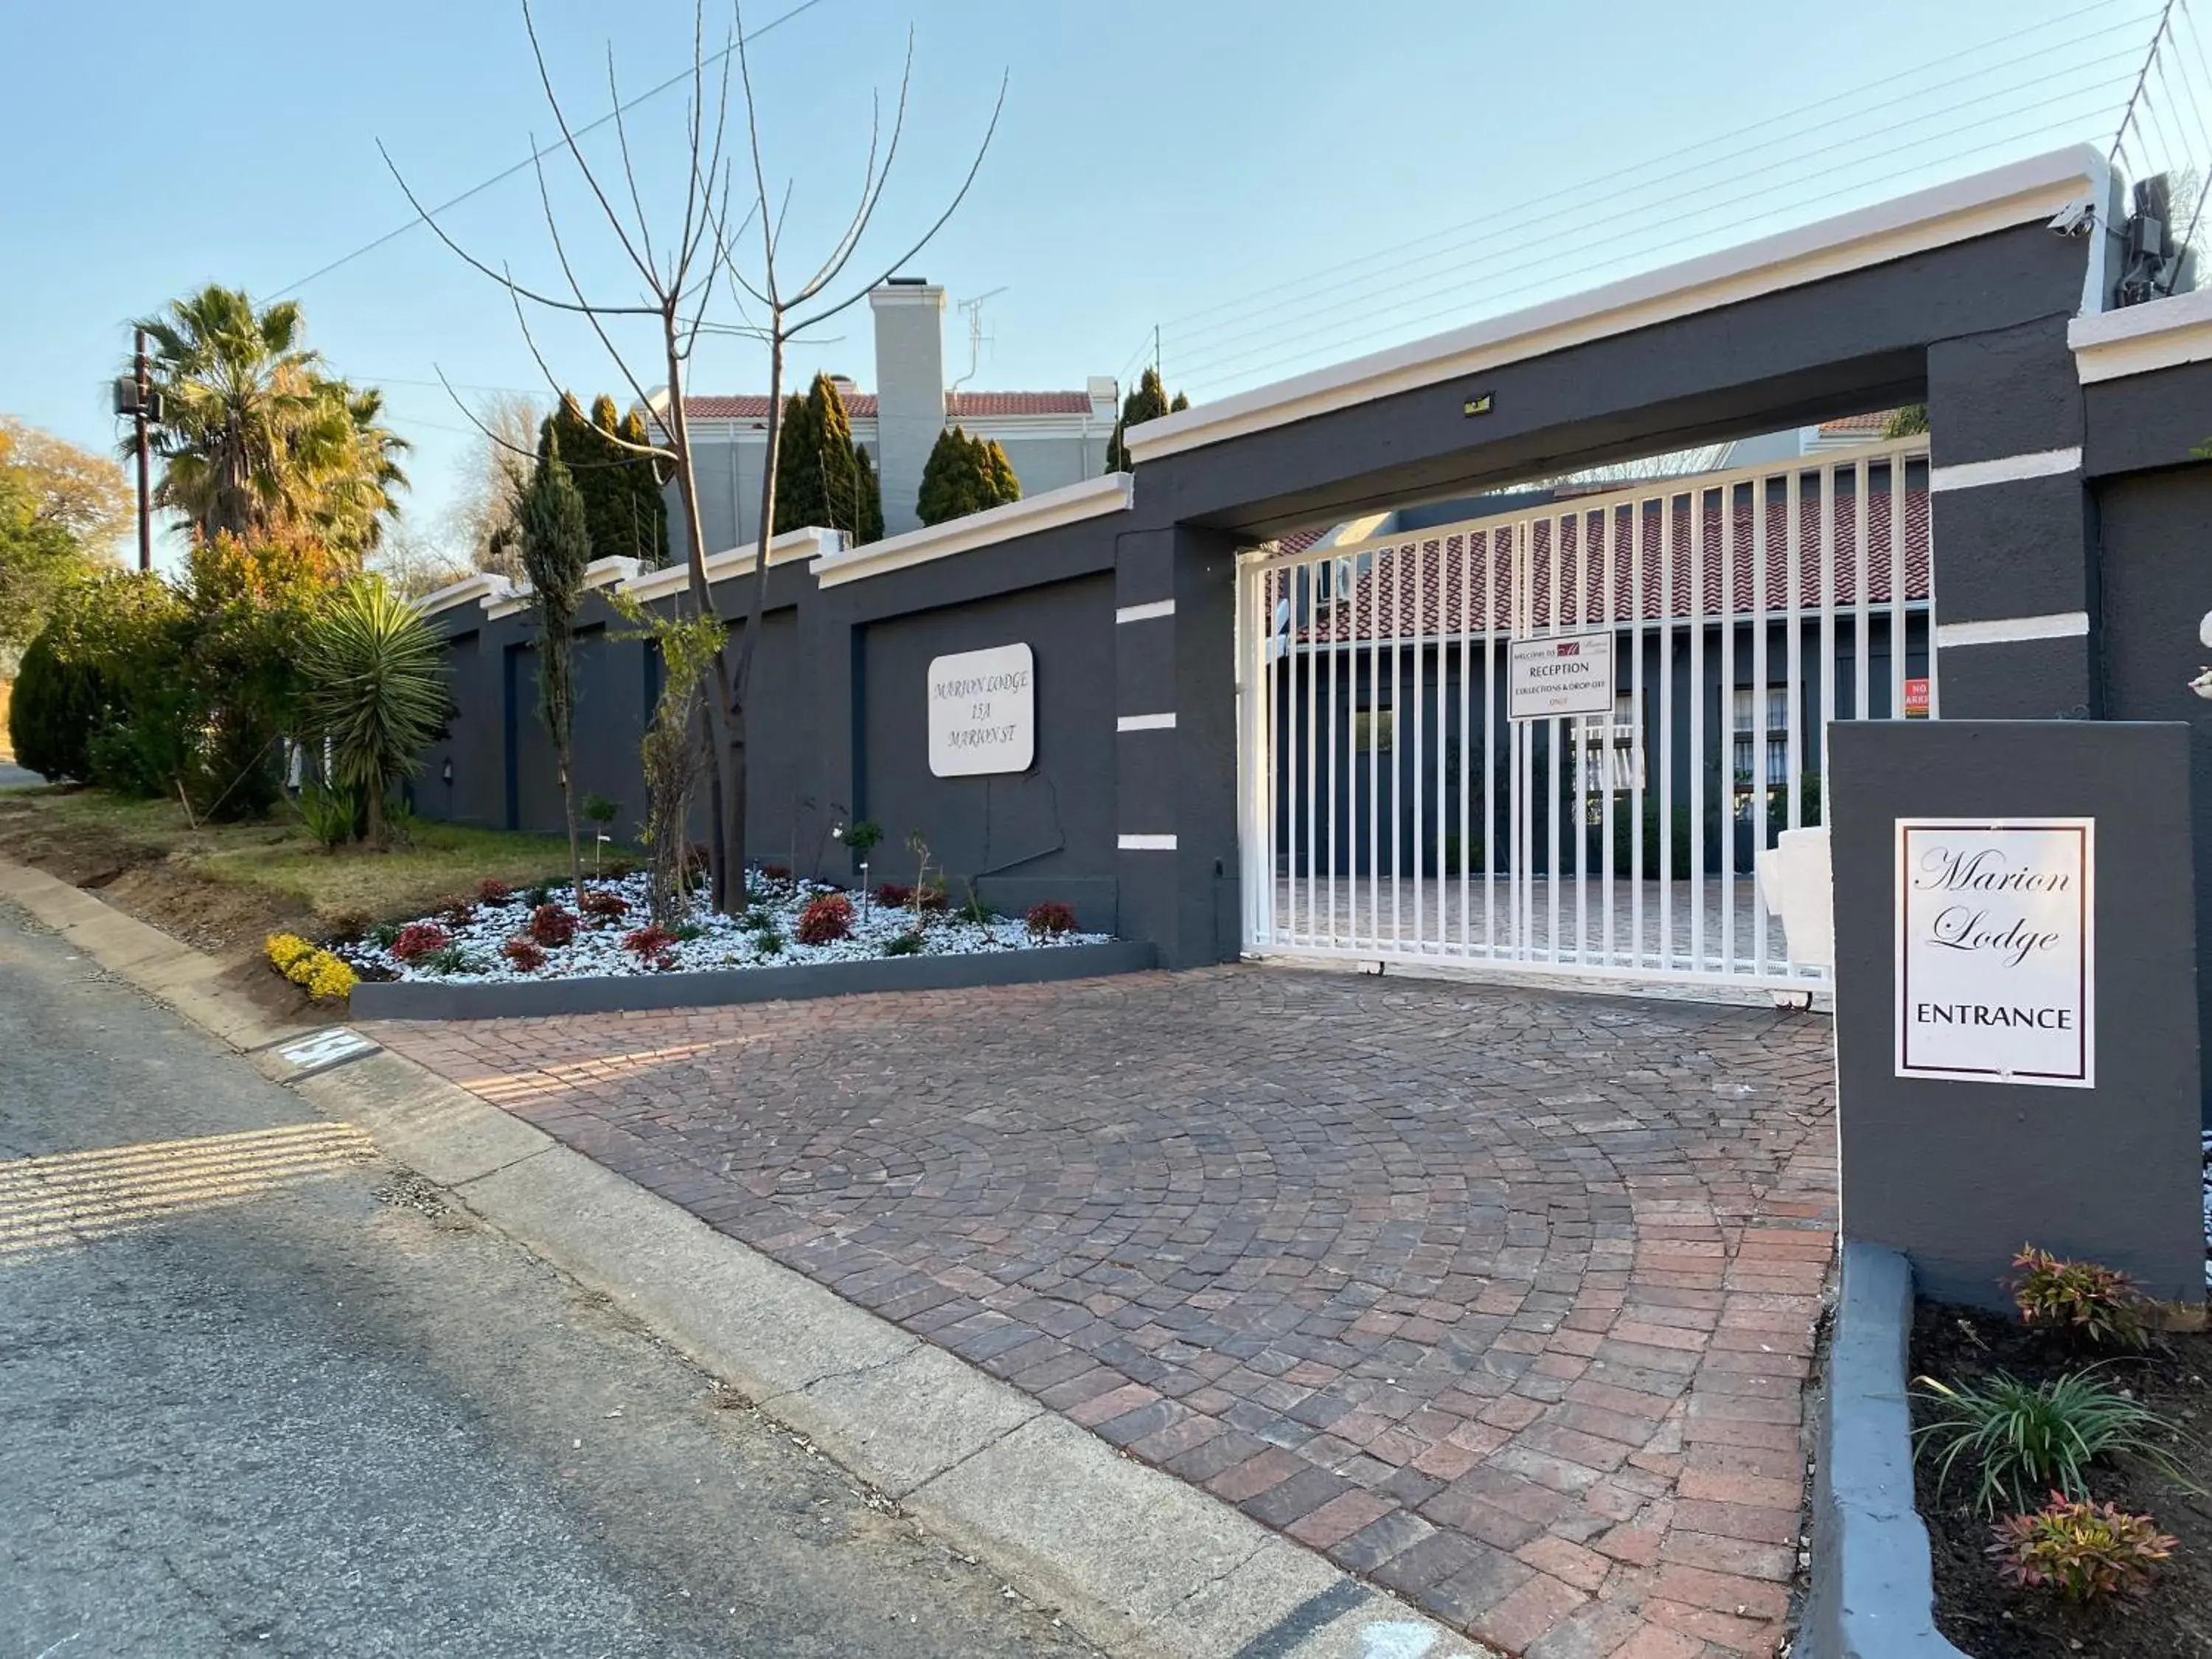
(982, 711)
(1996, 950)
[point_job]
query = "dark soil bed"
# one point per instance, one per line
(1989, 1620)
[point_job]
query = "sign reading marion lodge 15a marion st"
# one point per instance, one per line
(982, 711)
(1996, 949)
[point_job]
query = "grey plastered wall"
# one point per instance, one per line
(1977, 326)
(1957, 1175)
(1047, 833)
(2157, 583)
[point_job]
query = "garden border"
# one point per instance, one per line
(617, 993)
(1873, 1593)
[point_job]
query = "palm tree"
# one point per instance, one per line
(255, 437)
(350, 460)
(238, 390)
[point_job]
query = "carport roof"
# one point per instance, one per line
(1440, 584)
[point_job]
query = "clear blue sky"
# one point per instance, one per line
(1168, 162)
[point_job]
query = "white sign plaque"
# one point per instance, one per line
(982, 711)
(1996, 951)
(1560, 674)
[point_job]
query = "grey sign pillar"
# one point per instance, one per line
(2014, 560)
(1958, 1173)
(1175, 743)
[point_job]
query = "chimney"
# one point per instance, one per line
(909, 391)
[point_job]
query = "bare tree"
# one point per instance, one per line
(683, 278)
(498, 468)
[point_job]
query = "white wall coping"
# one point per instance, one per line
(486, 587)
(1070, 504)
(1959, 210)
(2136, 339)
(810, 543)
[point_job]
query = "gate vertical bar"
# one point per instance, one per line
(1729, 543)
(1695, 690)
(1466, 727)
(1666, 655)
(1827, 593)
(1861, 620)
(1899, 568)
(1761, 539)
(1420, 732)
(1341, 612)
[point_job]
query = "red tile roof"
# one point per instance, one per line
(958, 406)
(1873, 423)
(1429, 585)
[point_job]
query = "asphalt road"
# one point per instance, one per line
(261, 1393)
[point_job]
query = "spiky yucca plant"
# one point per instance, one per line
(376, 691)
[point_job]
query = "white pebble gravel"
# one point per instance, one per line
(723, 942)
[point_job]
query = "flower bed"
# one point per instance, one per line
(1976, 1606)
(791, 923)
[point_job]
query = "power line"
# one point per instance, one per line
(538, 155)
(1393, 251)
(1219, 349)
(1458, 309)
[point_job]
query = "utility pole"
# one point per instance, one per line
(138, 415)
(1156, 358)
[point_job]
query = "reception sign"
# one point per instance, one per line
(1996, 951)
(1559, 675)
(982, 711)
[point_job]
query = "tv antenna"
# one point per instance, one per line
(977, 338)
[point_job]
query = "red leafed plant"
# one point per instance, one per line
(827, 918)
(525, 952)
(929, 898)
(653, 941)
(420, 938)
(2084, 1551)
(492, 891)
(893, 894)
(603, 905)
(2101, 1305)
(775, 872)
(1050, 920)
(552, 927)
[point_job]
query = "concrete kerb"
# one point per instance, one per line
(1873, 1590)
(1136, 1560)
(717, 987)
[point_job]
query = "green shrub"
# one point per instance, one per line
(2101, 1305)
(906, 945)
(53, 711)
(452, 959)
(2084, 1551)
(375, 692)
(332, 815)
(768, 942)
(2037, 1437)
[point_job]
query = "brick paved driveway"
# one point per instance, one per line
(1503, 1299)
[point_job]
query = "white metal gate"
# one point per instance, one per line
(1394, 808)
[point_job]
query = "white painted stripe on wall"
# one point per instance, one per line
(2064, 625)
(2005, 469)
(1129, 613)
(1146, 723)
(1147, 843)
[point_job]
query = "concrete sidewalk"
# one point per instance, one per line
(1140, 1562)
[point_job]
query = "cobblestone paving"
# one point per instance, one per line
(1504, 1299)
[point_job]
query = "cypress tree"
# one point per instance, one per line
(824, 478)
(1147, 401)
(964, 475)
(623, 512)
(648, 507)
